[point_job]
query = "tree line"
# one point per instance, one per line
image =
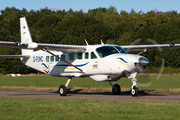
(72, 27)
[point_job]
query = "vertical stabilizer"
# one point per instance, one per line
(25, 35)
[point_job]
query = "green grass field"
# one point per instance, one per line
(165, 84)
(40, 109)
(37, 109)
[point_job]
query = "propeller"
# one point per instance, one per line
(144, 80)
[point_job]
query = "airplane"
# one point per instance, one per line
(102, 62)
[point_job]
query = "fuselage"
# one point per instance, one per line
(98, 62)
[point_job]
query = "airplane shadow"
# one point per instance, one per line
(125, 93)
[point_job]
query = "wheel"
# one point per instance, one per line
(134, 91)
(62, 90)
(116, 89)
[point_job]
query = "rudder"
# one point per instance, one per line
(25, 35)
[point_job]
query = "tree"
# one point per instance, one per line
(72, 27)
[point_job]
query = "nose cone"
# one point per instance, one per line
(143, 63)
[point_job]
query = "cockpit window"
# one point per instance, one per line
(93, 56)
(121, 50)
(105, 51)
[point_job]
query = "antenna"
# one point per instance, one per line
(86, 42)
(102, 42)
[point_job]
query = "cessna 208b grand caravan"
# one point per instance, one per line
(99, 62)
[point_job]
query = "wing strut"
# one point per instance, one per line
(46, 50)
(142, 51)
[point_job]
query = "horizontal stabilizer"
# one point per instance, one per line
(14, 56)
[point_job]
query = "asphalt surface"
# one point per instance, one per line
(92, 96)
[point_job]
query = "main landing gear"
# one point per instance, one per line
(116, 89)
(63, 88)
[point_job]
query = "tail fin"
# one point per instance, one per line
(25, 35)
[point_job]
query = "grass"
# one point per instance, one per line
(28, 109)
(146, 83)
(166, 70)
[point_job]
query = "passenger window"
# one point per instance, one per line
(57, 59)
(52, 58)
(79, 56)
(47, 58)
(93, 56)
(71, 56)
(86, 55)
(63, 56)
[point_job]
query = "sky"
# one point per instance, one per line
(85, 5)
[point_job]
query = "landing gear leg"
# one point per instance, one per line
(134, 89)
(116, 89)
(63, 88)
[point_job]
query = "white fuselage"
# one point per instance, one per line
(93, 66)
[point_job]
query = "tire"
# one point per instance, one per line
(62, 90)
(116, 89)
(134, 91)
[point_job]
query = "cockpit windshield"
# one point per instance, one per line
(109, 50)
(121, 50)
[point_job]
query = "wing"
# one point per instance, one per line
(38, 46)
(143, 47)
(78, 48)
(14, 56)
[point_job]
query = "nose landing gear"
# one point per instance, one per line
(134, 89)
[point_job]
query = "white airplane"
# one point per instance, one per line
(99, 62)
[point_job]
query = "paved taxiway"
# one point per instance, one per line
(91, 96)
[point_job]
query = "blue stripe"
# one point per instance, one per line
(44, 65)
(122, 60)
(65, 65)
(46, 71)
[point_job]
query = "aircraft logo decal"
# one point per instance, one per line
(45, 67)
(122, 61)
(69, 67)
